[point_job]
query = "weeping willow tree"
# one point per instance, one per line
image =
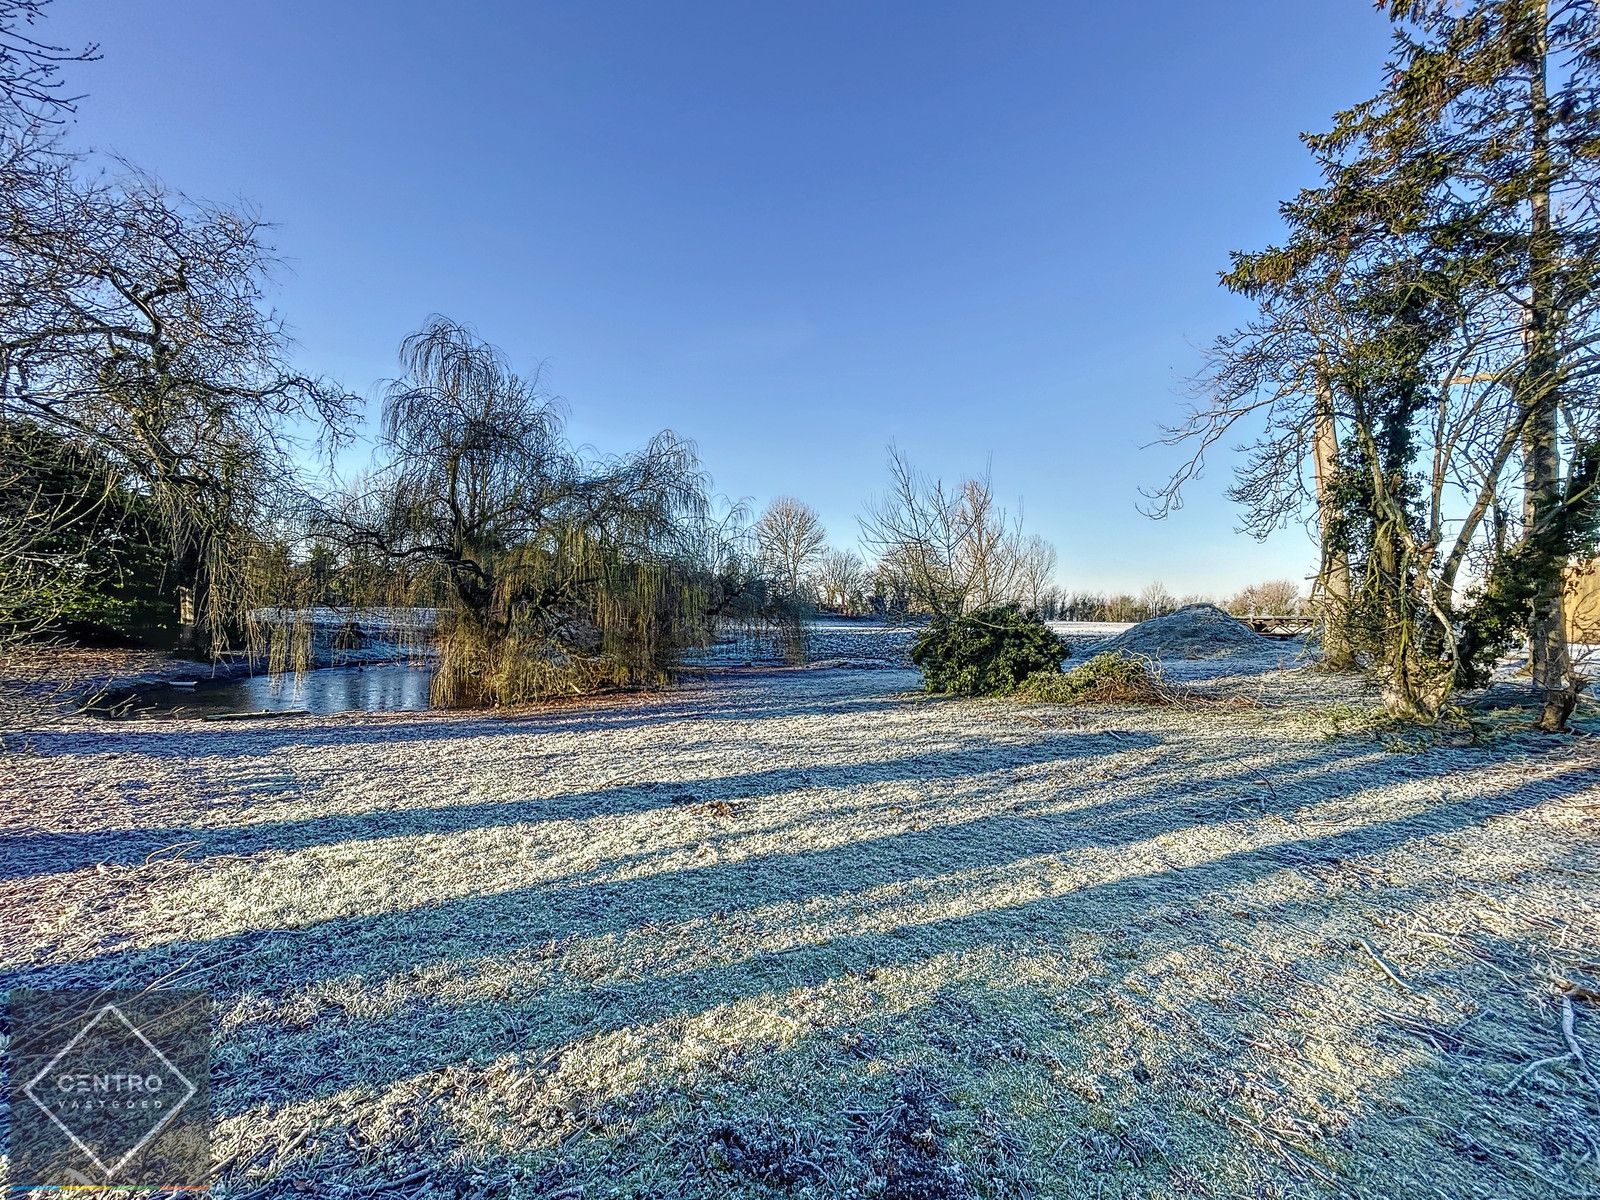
(553, 572)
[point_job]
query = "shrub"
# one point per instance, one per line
(985, 653)
(1109, 678)
(94, 563)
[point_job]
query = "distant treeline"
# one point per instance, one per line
(879, 597)
(1275, 597)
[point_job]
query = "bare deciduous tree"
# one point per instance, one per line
(841, 580)
(1155, 601)
(790, 540)
(917, 527)
(956, 548)
(1274, 598)
(133, 321)
(31, 88)
(989, 555)
(1036, 568)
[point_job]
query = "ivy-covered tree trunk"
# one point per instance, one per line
(1547, 628)
(1538, 398)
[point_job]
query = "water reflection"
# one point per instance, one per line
(400, 687)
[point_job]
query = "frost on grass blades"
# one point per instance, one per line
(815, 925)
(785, 763)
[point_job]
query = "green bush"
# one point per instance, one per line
(1109, 678)
(986, 653)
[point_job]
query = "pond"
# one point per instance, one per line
(399, 687)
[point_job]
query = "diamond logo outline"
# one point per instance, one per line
(111, 1010)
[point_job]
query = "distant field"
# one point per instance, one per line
(865, 642)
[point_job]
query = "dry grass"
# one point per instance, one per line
(808, 934)
(1111, 677)
(1121, 677)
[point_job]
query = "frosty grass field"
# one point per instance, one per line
(808, 932)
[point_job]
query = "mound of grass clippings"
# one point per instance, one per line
(1109, 678)
(1196, 631)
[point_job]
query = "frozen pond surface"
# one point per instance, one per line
(382, 687)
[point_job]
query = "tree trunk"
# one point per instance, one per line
(1538, 397)
(188, 641)
(194, 628)
(1411, 691)
(1333, 577)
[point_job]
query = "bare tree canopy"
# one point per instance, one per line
(1272, 598)
(134, 324)
(955, 550)
(1036, 569)
(790, 540)
(31, 87)
(841, 580)
(133, 321)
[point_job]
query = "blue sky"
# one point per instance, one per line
(791, 232)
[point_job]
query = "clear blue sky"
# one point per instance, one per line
(792, 232)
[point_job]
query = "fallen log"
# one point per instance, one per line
(251, 716)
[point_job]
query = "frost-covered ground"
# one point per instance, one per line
(809, 933)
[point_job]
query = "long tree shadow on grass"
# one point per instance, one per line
(30, 854)
(338, 1051)
(33, 853)
(1143, 1090)
(422, 1039)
